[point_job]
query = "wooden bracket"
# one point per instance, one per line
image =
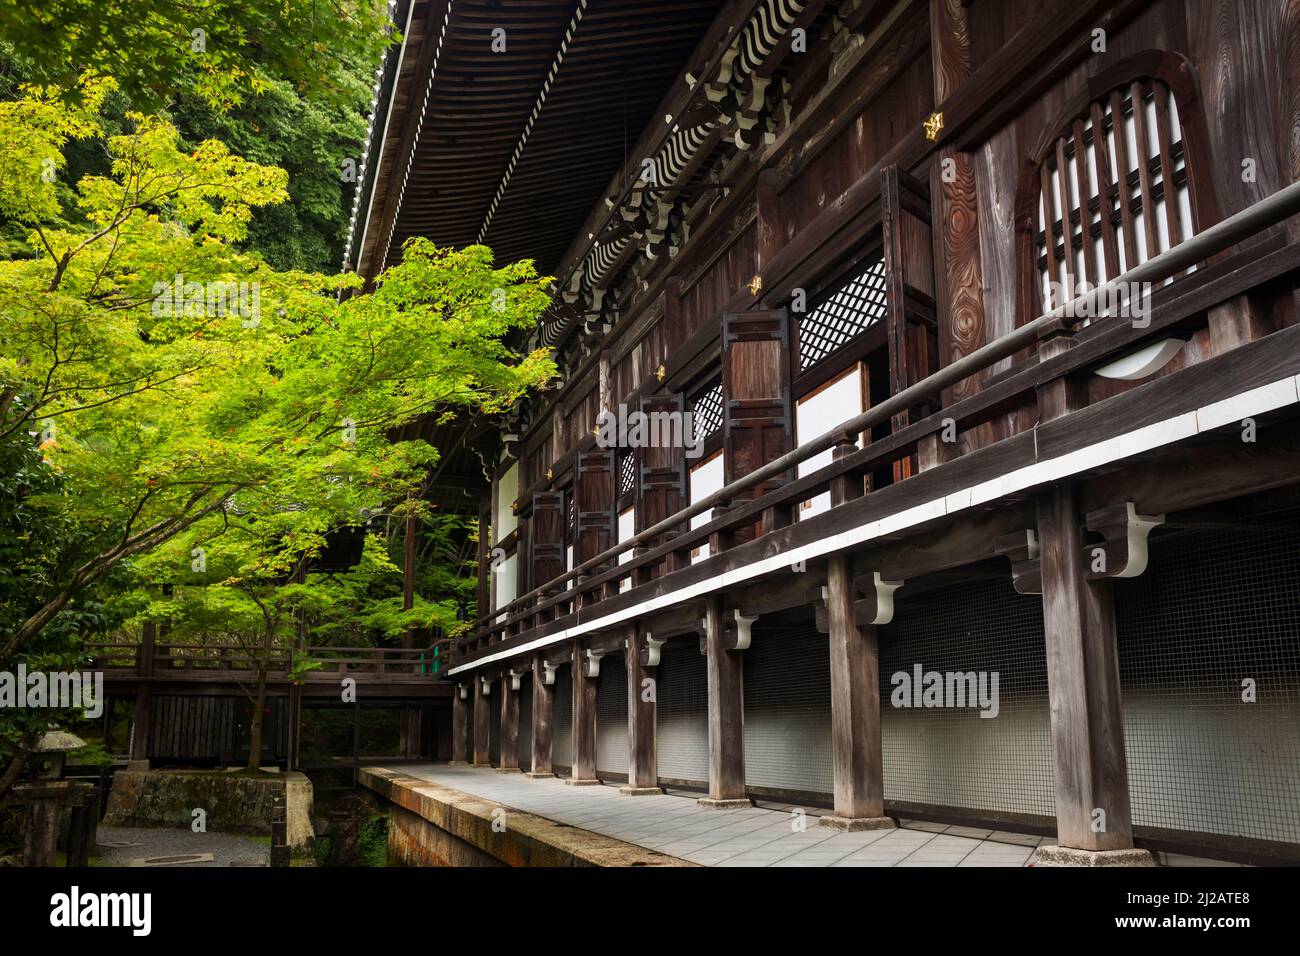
(817, 598)
(514, 676)
(1026, 568)
(463, 691)
(593, 662)
(735, 633)
(548, 673)
(487, 686)
(650, 654)
(876, 606)
(1124, 553)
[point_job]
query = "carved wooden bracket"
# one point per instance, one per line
(735, 633)
(650, 654)
(876, 606)
(514, 676)
(548, 673)
(593, 662)
(1124, 553)
(817, 598)
(1026, 568)
(873, 606)
(487, 686)
(463, 691)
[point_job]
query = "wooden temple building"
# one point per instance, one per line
(966, 336)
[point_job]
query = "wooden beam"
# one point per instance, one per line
(459, 715)
(855, 709)
(642, 758)
(509, 725)
(584, 720)
(1092, 798)
(543, 717)
(482, 722)
(726, 715)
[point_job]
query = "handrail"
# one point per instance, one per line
(1262, 214)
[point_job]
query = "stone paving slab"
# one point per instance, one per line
(753, 836)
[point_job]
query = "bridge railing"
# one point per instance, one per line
(179, 661)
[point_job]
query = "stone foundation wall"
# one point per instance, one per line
(233, 803)
(433, 825)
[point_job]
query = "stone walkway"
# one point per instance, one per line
(126, 846)
(756, 836)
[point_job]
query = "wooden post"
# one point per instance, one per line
(543, 717)
(509, 762)
(726, 715)
(1092, 800)
(459, 741)
(642, 762)
(482, 723)
(280, 854)
(143, 698)
(483, 596)
(410, 716)
(584, 721)
(855, 709)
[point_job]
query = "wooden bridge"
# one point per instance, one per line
(191, 702)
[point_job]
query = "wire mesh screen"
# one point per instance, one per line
(611, 715)
(1216, 614)
(788, 709)
(682, 718)
(562, 721)
(856, 306)
(706, 412)
(937, 667)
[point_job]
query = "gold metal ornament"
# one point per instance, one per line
(933, 125)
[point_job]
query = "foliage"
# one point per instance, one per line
(170, 417)
(214, 48)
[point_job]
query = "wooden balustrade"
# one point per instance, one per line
(1172, 307)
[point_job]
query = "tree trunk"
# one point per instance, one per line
(259, 704)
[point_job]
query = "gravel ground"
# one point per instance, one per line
(227, 849)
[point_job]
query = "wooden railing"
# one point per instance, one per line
(171, 660)
(666, 547)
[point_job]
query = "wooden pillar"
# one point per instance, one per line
(855, 709)
(543, 718)
(295, 689)
(726, 715)
(642, 760)
(459, 741)
(509, 725)
(410, 716)
(482, 722)
(143, 720)
(483, 596)
(584, 720)
(1092, 799)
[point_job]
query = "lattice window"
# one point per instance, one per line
(706, 411)
(626, 474)
(1126, 218)
(855, 307)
